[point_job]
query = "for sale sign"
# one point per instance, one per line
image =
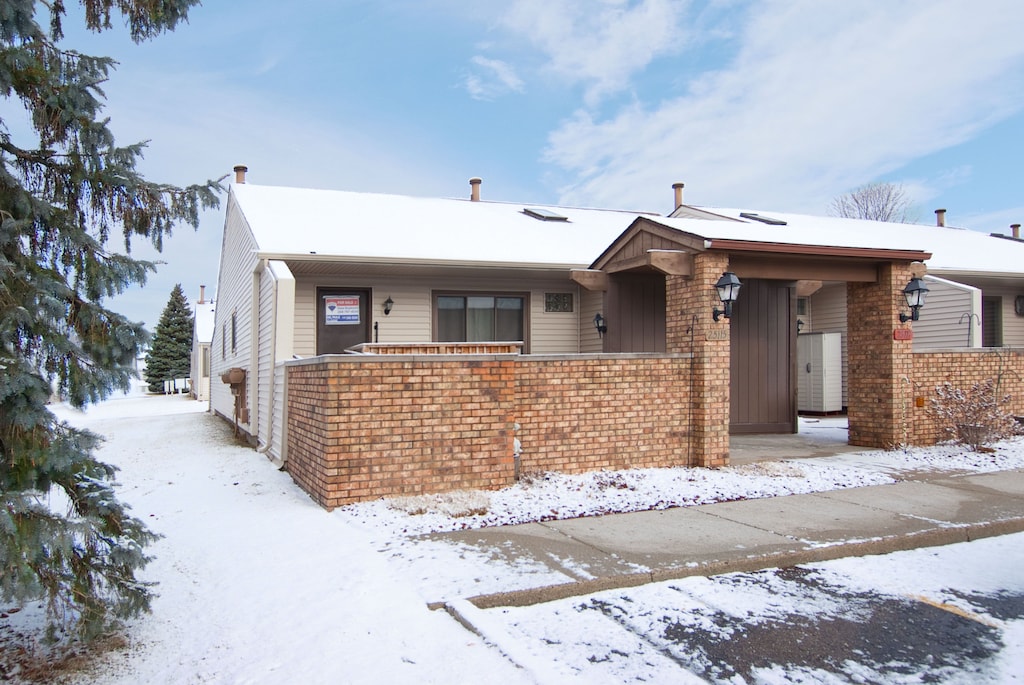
(341, 310)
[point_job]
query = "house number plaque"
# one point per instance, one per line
(717, 334)
(903, 334)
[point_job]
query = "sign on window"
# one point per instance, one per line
(341, 311)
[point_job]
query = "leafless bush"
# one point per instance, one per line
(973, 417)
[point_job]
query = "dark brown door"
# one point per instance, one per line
(342, 319)
(635, 313)
(762, 381)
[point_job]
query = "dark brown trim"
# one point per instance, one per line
(728, 245)
(687, 242)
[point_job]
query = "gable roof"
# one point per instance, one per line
(299, 222)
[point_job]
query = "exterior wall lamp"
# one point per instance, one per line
(388, 304)
(915, 293)
(728, 288)
(600, 325)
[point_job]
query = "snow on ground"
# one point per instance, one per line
(259, 585)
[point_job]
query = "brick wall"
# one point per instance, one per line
(879, 364)
(963, 369)
(690, 329)
(590, 413)
(364, 428)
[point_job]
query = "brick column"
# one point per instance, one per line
(880, 367)
(689, 328)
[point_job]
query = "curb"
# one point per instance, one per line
(935, 537)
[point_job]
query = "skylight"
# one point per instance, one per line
(544, 214)
(763, 219)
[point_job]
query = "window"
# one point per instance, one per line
(234, 332)
(557, 302)
(223, 342)
(480, 318)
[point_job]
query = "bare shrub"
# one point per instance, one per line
(973, 417)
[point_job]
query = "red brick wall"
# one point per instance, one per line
(363, 428)
(962, 369)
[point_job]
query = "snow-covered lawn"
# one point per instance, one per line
(257, 584)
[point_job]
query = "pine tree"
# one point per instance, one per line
(66, 189)
(170, 353)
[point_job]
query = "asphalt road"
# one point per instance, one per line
(951, 614)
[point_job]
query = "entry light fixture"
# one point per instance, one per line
(388, 304)
(728, 288)
(915, 293)
(600, 325)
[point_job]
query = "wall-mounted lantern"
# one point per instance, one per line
(388, 304)
(915, 293)
(600, 325)
(799, 326)
(728, 288)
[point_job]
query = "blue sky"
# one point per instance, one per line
(605, 103)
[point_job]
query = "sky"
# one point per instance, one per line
(598, 103)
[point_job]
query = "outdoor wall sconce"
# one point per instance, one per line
(599, 324)
(728, 287)
(915, 293)
(799, 326)
(388, 304)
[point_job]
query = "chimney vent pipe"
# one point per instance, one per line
(678, 187)
(1015, 229)
(240, 170)
(202, 295)
(940, 217)
(474, 188)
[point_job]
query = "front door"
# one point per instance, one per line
(342, 319)
(762, 388)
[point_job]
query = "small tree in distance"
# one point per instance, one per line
(170, 354)
(875, 201)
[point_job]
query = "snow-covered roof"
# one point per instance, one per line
(299, 221)
(954, 250)
(204, 322)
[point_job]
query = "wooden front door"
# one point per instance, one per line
(762, 384)
(342, 319)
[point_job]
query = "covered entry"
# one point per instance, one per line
(745, 367)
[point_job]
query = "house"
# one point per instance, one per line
(202, 338)
(379, 344)
(975, 280)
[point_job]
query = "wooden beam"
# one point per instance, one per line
(671, 262)
(590, 279)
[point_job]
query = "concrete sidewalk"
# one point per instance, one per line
(625, 550)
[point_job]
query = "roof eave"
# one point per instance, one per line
(729, 245)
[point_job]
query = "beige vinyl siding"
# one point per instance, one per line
(260, 411)
(591, 302)
(411, 318)
(279, 414)
(828, 314)
(234, 296)
(951, 316)
(1013, 325)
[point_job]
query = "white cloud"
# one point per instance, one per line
(820, 98)
(497, 78)
(600, 43)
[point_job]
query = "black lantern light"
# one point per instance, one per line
(728, 288)
(388, 304)
(915, 293)
(599, 324)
